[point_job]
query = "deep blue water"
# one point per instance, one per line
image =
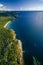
(29, 29)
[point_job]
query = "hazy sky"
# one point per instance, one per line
(21, 4)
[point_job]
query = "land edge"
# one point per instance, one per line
(6, 24)
(19, 46)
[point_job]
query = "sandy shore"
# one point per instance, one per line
(6, 24)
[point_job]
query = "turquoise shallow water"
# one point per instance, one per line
(29, 29)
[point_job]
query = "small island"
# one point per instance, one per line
(10, 48)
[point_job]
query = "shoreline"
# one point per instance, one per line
(19, 46)
(6, 24)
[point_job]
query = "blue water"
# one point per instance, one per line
(29, 29)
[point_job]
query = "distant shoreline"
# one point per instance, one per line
(6, 24)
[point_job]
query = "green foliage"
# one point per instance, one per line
(8, 48)
(35, 61)
(8, 44)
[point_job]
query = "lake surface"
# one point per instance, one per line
(29, 29)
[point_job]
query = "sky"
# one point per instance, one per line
(21, 5)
